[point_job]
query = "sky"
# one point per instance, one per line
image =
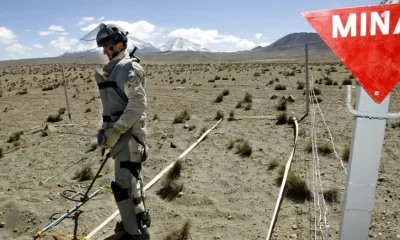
(48, 28)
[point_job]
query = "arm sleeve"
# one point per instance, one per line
(137, 102)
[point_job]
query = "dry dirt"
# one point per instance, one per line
(225, 195)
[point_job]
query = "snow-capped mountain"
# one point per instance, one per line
(92, 49)
(181, 44)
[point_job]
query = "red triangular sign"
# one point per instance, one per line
(367, 40)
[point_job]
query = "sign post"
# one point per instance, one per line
(366, 40)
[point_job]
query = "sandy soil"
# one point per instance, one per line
(226, 196)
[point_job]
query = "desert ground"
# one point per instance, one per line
(229, 179)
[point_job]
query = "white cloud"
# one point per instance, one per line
(56, 28)
(101, 18)
(258, 35)
(37, 46)
(18, 48)
(141, 29)
(64, 43)
(207, 37)
(85, 19)
(7, 36)
(245, 44)
(53, 30)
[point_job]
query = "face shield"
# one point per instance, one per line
(102, 34)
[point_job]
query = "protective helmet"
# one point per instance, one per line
(107, 33)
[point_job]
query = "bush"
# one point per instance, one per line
(182, 117)
(280, 87)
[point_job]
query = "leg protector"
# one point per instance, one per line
(126, 209)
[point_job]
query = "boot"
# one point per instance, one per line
(144, 236)
(119, 227)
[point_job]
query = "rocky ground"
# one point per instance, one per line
(226, 195)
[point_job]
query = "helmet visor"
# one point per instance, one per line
(101, 34)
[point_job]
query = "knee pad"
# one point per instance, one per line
(120, 194)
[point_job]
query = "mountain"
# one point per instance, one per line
(85, 51)
(295, 42)
(181, 44)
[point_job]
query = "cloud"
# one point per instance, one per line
(206, 37)
(56, 28)
(141, 29)
(101, 18)
(7, 36)
(18, 48)
(85, 19)
(37, 46)
(64, 43)
(53, 30)
(258, 35)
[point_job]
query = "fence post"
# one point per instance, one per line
(307, 82)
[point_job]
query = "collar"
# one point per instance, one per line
(113, 62)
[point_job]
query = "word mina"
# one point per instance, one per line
(351, 25)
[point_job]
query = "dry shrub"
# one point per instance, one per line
(15, 137)
(231, 116)
(170, 188)
(1, 152)
(248, 98)
(92, 147)
(175, 171)
(191, 127)
(331, 195)
(218, 115)
(239, 104)
(346, 153)
(325, 149)
(182, 117)
(247, 106)
(219, 98)
(317, 91)
(225, 92)
(280, 87)
(88, 110)
(61, 111)
(281, 105)
(347, 82)
(295, 189)
(54, 118)
(281, 118)
(180, 234)
(84, 174)
(273, 164)
(243, 148)
(300, 85)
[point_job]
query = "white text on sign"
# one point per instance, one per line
(381, 21)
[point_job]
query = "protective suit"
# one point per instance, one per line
(122, 92)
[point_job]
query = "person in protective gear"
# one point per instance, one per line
(123, 96)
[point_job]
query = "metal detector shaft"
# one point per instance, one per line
(69, 212)
(97, 175)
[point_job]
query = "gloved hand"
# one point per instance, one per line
(112, 135)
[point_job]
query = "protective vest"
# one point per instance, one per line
(114, 100)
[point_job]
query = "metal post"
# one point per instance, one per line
(326, 232)
(65, 92)
(307, 82)
(363, 169)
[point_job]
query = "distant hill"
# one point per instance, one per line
(142, 47)
(294, 43)
(181, 44)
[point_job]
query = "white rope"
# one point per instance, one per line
(367, 114)
(326, 125)
(287, 168)
(317, 171)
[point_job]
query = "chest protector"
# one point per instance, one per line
(114, 100)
